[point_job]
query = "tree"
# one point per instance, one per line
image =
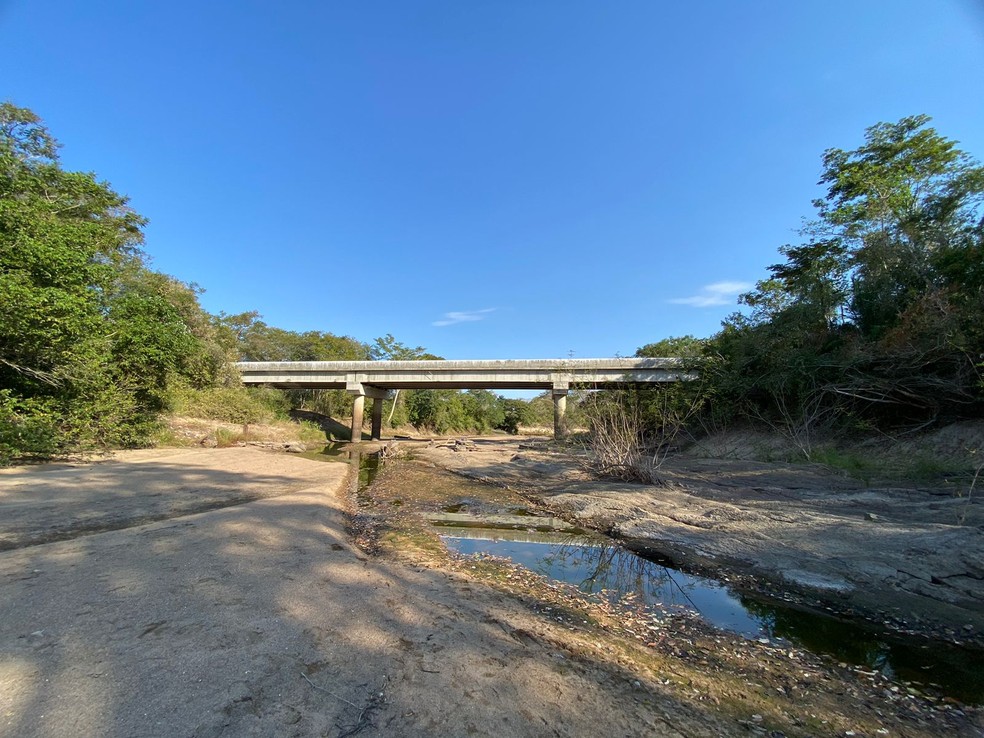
(484, 410)
(515, 413)
(895, 202)
(257, 341)
(679, 346)
(90, 338)
(440, 410)
(387, 348)
(876, 315)
(62, 235)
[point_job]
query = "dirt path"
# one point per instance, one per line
(262, 619)
(911, 556)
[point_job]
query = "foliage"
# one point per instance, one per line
(440, 410)
(387, 348)
(90, 338)
(253, 340)
(515, 413)
(540, 412)
(447, 411)
(235, 404)
(687, 347)
(26, 427)
(874, 321)
(484, 410)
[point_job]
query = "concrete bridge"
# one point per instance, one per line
(375, 379)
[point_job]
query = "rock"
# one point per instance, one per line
(295, 447)
(816, 581)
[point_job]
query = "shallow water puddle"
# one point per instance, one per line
(597, 567)
(368, 464)
(600, 568)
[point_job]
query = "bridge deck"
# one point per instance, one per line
(492, 374)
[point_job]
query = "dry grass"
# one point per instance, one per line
(184, 431)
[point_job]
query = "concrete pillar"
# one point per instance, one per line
(358, 411)
(560, 407)
(377, 418)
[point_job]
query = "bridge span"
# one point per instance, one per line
(375, 379)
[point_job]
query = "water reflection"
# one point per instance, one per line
(366, 464)
(597, 566)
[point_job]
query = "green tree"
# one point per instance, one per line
(257, 341)
(679, 347)
(484, 410)
(90, 339)
(876, 316)
(440, 410)
(895, 202)
(62, 236)
(387, 348)
(515, 413)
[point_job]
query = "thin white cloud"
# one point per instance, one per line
(463, 316)
(719, 293)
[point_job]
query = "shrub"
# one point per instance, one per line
(231, 404)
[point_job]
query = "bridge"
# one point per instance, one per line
(375, 379)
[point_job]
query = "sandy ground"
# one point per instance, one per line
(260, 618)
(909, 556)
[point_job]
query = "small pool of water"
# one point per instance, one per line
(598, 567)
(368, 463)
(613, 572)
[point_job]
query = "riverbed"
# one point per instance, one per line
(208, 592)
(489, 521)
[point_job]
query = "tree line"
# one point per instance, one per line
(874, 321)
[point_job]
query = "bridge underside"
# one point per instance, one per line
(375, 379)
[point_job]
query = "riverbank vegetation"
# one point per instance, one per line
(870, 325)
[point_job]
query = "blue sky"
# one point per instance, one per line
(487, 179)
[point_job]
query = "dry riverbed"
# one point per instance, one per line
(908, 556)
(263, 617)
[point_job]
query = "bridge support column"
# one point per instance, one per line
(360, 392)
(358, 416)
(560, 409)
(377, 419)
